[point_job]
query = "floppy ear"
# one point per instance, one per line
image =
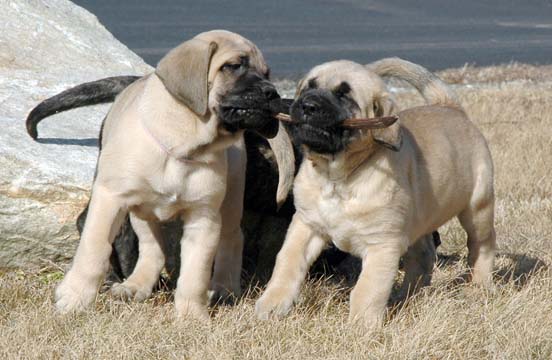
(285, 158)
(184, 72)
(390, 136)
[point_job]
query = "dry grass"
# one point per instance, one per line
(446, 321)
(514, 71)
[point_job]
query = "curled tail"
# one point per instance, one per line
(90, 93)
(432, 88)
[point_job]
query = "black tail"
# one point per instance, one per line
(90, 93)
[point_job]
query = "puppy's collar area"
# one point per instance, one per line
(166, 149)
(338, 167)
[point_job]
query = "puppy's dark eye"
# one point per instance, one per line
(312, 84)
(231, 67)
(343, 89)
(234, 67)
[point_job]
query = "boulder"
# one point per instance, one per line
(47, 46)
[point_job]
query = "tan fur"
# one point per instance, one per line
(202, 180)
(376, 203)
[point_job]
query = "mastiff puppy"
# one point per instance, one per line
(380, 191)
(172, 147)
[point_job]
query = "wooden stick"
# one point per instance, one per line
(371, 123)
(283, 117)
(360, 123)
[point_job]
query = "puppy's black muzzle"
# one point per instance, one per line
(317, 116)
(251, 105)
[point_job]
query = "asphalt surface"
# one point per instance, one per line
(296, 35)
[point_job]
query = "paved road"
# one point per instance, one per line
(296, 35)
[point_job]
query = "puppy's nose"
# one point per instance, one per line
(309, 108)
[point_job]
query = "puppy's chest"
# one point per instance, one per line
(350, 214)
(331, 208)
(179, 188)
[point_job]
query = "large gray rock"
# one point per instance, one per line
(45, 47)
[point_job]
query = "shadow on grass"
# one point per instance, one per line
(518, 270)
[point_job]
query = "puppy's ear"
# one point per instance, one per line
(184, 72)
(391, 136)
(285, 158)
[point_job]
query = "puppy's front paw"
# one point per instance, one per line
(274, 302)
(74, 296)
(368, 321)
(482, 278)
(129, 290)
(192, 310)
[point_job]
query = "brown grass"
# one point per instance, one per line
(446, 321)
(469, 74)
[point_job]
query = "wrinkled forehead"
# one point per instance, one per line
(362, 82)
(232, 47)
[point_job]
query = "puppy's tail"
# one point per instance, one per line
(90, 93)
(432, 88)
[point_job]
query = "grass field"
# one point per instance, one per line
(512, 105)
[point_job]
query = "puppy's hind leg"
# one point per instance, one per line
(418, 266)
(151, 260)
(80, 285)
(478, 222)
